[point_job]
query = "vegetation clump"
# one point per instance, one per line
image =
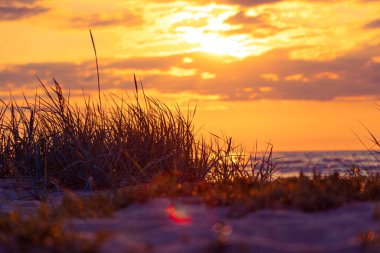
(152, 150)
(245, 195)
(242, 195)
(46, 231)
(53, 142)
(43, 232)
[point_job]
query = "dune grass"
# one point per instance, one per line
(50, 141)
(242, 196)
(53, 143)
(245, 195)
(43, 233)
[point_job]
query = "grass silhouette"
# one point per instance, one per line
(53, 141)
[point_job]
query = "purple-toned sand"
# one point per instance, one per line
(187, 225)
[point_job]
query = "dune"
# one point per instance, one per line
(187, 224)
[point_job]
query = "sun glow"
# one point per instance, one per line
(216, 44)
(206, 30)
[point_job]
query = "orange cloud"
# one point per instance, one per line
(210, 75)
(259, 26)
(105, 20)
(270, 77)
(19, 9)
(373, 24)
(327, 75)
(297, 77)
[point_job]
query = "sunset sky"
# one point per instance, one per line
(301, 74)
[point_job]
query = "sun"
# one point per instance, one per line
(215, 43)
(206, 30)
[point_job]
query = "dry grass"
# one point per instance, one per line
(52, 141)
(43, 233)
(243, 195)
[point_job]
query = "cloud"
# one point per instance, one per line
(246, 3)
(250, 2)
(146, 63)
(19, 9)
(242, 18)
(9, 2)
(259, 26)
(373, 24)
(196, 23)
(253, 3)
(24, 75)
(96, 20)
(15, 13)
(273, 75)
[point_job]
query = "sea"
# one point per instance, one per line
(326, 162)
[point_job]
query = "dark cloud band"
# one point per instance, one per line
(373, 24)
(270, 76)
(15, 13)
(18, 9)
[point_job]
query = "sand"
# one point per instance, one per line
(187, 225)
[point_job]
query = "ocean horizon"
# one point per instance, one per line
(291, 163)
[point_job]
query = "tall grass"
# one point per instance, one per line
(51, 140)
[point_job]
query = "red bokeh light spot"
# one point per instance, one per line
(178, 215)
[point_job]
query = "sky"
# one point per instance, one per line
(300, 74)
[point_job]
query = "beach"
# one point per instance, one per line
(187, 224)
